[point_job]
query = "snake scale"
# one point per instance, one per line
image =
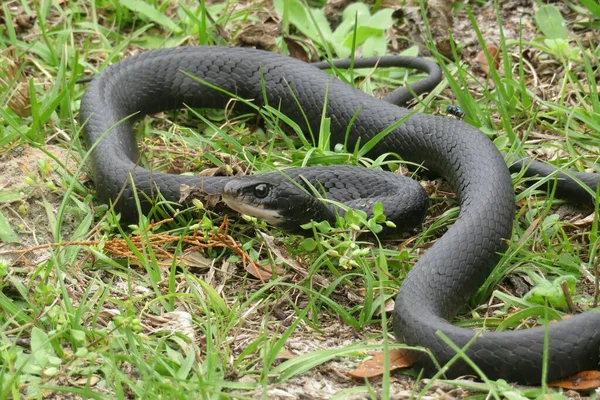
(442, 280)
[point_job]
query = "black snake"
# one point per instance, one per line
(443, 279)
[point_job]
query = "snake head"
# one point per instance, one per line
(276, 199)
(254, 199)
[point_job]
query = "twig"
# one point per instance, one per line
(565, 288)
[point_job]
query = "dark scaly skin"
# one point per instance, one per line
(292, 196)
(444, 278)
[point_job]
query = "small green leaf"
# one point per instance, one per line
(362, 34)
(322, 226)
(502, 142)
(7, 235)
(78, 335)
(551, 22)
(41, 349)
(374, 226)
(308, 244)
(81, 352)
(551, 292)
(52, 371)
(378, 209)
(9, 197)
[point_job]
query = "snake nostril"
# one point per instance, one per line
(229, 190)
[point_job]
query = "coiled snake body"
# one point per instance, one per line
(443, 279)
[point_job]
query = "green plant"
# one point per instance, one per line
(359, 30)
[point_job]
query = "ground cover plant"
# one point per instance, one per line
(218, 306)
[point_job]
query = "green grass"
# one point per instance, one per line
(105, 312)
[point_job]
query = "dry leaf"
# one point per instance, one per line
(285, 354)
(296, 50)
(584, 380)
(480, 63)
(441, 19)
(196, 260)
(261, 35)
(187, 194)
(261, 272)
(281, 254)
(85, 381)
(25, 22)
(179, 321)
(14, 81)
(585, 221)
(399, 358)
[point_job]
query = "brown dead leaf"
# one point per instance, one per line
(260, 35)
(587, 221)
(399, 358)
(175, 321)
(480, 62)
(13, 80)
(441, 19)
(281, 254)
(285, 354)
(296, 50)
(25, 22)
(196, 260)
(86, 380)
(261, 272)
(187, 194)
(389, 307)
(584, 380)
(216, 171)
(193, 260)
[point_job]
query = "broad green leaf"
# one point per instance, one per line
(342, 30)
(41, 349)
(381, 19)
(151, 13)
(356, 11)
(374, 46)
(552, 293)
(551, 22)
(362, 33)
(411, 51)
(308, 21)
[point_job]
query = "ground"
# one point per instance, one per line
(111, 314)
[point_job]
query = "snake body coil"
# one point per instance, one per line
(444, 278)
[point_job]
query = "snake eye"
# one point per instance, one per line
(261, 190)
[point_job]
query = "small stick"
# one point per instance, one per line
(596, 286)
(565, 288)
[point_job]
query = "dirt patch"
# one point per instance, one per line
(38, 178)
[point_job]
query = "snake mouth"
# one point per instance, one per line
(233, 195)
